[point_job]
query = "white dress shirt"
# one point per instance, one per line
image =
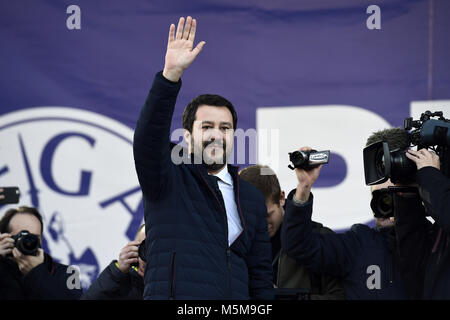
(233, 219)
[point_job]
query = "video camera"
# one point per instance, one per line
(380, 164)
(308, 159)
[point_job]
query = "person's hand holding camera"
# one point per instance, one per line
(27, 262)
(6, 244)
(306, 179)
(128, 255)
(424, 158)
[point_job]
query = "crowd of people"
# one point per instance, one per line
(215, 233)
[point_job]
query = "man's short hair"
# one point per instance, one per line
(396, 138)
(206, 99)
(268, 184)
(4, 222)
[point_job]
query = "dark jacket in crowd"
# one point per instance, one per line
(113, 284)
(47, 281)
(355, 256)
(424, 246)
(290, 274)
(188, 254)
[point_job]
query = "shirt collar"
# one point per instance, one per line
(225, 176)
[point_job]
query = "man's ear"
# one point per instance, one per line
(282, 198)
(187, 138)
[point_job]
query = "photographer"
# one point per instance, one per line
(122, 279)
(24, 275)
(286, 272)
(424, 246)
(365, 258)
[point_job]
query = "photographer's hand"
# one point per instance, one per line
(306, 179)
(424, 158)
(6, 244)
(1, 194)
(128, 255)
(26, 262)
(179, 54)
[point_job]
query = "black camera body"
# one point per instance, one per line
(380, 164)
(308, 159)
(141, 253)
(27, 243)
(382, 202)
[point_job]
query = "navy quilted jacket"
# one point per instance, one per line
(350, 255)
(188, 256)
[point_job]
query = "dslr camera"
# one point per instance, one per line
(308, 159)
(27, 243)
(141, 253)
(380, 164)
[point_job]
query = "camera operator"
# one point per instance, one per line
(24, 275)
(423, 245)
(122, 279)
(365, 258)
(287, 273)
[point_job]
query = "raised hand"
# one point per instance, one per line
(306, 179)
(180, 48)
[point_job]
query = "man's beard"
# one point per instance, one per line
(210, 164)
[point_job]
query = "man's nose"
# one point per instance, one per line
(216, 134)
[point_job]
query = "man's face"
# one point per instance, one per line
(25, 221)
(212, 136)
(383, 222)
(275, 214)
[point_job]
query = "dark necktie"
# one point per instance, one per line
(215, 184)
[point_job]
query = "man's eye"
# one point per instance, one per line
(206, 127)
(225, 128)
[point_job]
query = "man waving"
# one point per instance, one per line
(206, 230)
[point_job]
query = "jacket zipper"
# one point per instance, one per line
(172, 276)
(228, 251)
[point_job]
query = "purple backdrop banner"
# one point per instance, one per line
(74, 75)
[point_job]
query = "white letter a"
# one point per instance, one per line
(374, 21)
(74, 20)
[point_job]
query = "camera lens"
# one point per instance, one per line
(298, 159)
(403, 169)
(380, 163)
(385, 204)
(382, 204)
(27, 243)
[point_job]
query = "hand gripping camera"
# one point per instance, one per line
(380, 164)
(141, 253)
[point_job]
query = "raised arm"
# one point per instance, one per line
(180, 49)
(322, 253)
(151, 145)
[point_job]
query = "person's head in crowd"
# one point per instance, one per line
(396, 138)
(22, 218)
(266, 181)
(209, 122)
(140, 236)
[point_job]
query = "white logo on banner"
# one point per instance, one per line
(77, 168)
(343, 130)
